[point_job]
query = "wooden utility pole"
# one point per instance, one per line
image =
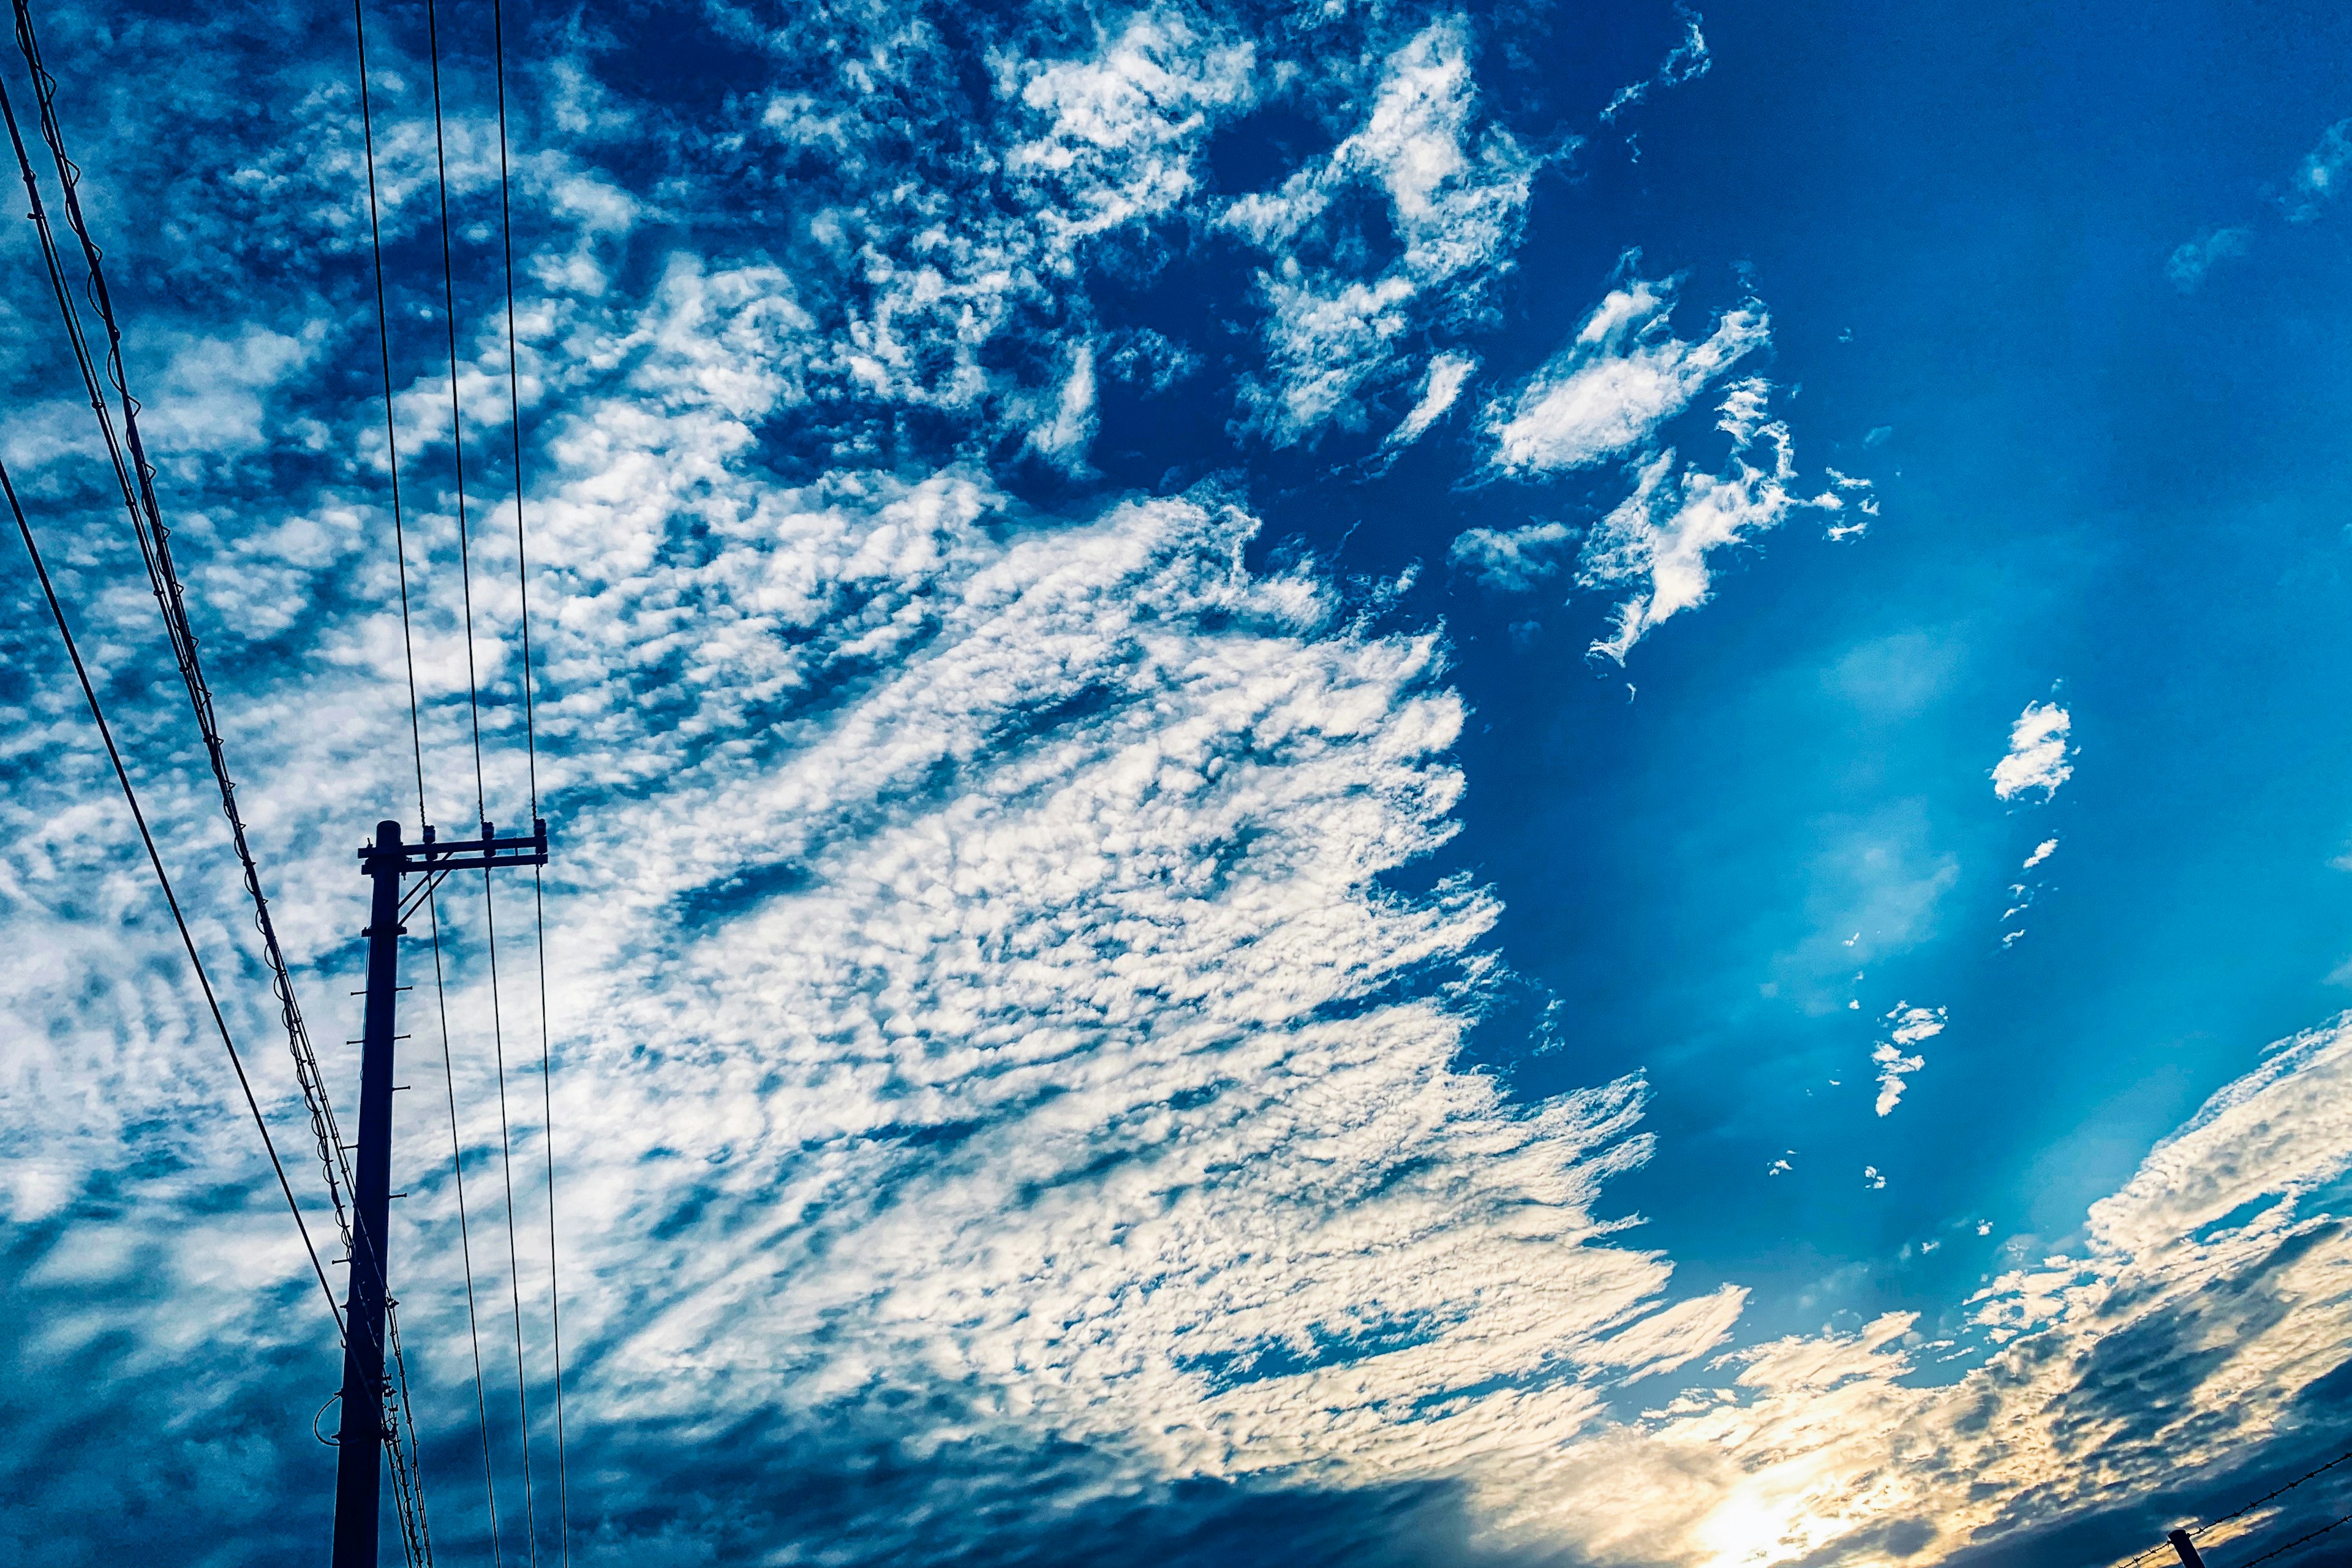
(359, 1459)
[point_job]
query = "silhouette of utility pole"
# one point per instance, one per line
(359, 1478)
(2188, 1549)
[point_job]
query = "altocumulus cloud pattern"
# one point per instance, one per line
(1050, 1066)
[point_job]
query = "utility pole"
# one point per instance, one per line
(2186, 1548)
(359, 1473)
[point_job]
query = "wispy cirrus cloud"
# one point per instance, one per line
(2321, 175)
(1454, 190)
(1606, 397)
(1686, 61)
(2308, 194)
(1622, 375)
(1658, 541)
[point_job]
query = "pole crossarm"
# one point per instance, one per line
(488, 853)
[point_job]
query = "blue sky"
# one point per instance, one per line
(1405, 784)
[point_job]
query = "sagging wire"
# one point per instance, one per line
(163, 880)
(136, 478)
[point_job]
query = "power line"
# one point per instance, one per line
(2209, 1526)
(153, 540)
(2298, 1540)
(154, 543)
(530, 752)
(465, 1241)
(474, 703)
(416, 753)
(163, 880)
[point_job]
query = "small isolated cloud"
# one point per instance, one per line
(1777, 1166)
(2195, 258)
(1513, 559)
(1149, 359)
(2042, 851)
(2322, 174)
(2037, 753)
(1658, 539)
(1984, 1227)
(1844, 487)
(1686, 60)
(1439, 387)
(1912, 1025)
(1879, 435)
(1872, 1179)
(1622, 375)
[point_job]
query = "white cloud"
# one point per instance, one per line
(1844, 486)
(2314, 183)
(2193, 259)
(1456, 194)
(1440, 385)
(2037, 753)
(1685, 61)
(2042, 851)
(1062, 437)
(1622, 375)
(1658, 540)
(1912, 1025)
(1512, 559)
(1127, 121)
(1787, 1458)
(974, 978)
(2321, 175)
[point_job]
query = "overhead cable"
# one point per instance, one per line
(481, 803)
(135, 476)
(163, 880)
(416, 753)
(530, 751)
(2196, 1530)
(136, 480)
